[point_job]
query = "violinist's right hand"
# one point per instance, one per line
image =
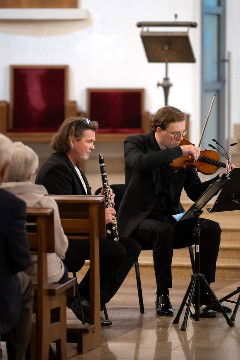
(191, 150)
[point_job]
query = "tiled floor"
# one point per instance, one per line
(146, 337)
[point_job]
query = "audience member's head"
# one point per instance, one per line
(71, 127)
(23, 164)
(6, 150)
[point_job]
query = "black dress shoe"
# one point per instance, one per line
(204, 310)
(214, 307)
(164, 306)
(105, 322)
(80, 307)
(205, 313)
(205, 299)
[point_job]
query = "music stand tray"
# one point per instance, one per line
(193, 292)
(174, 47)
(167, 47)
(229, 197)
(208, 194)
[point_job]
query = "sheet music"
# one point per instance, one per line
(229, 197)
(208, 194)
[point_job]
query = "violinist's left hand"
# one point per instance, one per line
(230, 166)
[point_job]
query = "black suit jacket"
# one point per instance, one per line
(59, 176)
(143, 163)
(14, 257)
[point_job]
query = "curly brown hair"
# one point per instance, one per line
(165, 116)
(73, 126)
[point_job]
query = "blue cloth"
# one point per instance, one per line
(178, 217)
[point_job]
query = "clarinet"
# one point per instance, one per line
(107, 194)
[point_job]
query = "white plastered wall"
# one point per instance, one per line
(106, 51)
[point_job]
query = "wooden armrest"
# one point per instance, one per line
(57, 288)
(73, 330)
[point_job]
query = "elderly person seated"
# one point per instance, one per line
(23, 166)
(15, 285)
(24, 163)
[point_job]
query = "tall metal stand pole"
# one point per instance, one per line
(166, 84)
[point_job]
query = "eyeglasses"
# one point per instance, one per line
(79, 123)
(177, 134)
(86, 121)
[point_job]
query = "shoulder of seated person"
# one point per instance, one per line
(11, 199)
(57, 167)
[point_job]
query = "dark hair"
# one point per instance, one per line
(165, 116)
(73, 126)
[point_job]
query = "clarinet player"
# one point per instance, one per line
(61, 175)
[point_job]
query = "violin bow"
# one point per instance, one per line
(208, 115)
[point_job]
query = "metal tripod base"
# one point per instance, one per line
(192, 297)
(225, 298)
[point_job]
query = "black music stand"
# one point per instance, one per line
(229, 200)
(167, 47)
(192, 295)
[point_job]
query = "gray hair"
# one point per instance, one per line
(24, 163)
(6, 150)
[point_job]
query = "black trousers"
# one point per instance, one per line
(116, 259)
(163, 237)
(17, 339)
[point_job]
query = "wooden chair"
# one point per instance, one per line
(83, 217)
(50, 304)
(38, 102)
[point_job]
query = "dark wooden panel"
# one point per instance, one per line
(38, 4)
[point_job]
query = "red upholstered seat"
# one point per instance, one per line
(38, 98)
(117, 110)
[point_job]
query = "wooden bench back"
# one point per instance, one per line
(50, 298)
(82, 216)
(40, 232)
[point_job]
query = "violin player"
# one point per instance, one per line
(152, 198)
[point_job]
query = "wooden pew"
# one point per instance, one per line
(83, 217)
(50, 304)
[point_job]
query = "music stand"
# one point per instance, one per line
(167, 47)
(193, 291)
(229, 200)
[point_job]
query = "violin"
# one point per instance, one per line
(207, 163)
(209, 160)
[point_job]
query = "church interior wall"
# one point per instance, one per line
(105, 50)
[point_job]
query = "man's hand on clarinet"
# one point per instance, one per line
(110, 195)
(110, 215)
